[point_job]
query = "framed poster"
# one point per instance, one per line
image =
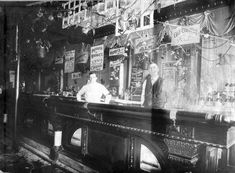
(136, 83)
(69, 61)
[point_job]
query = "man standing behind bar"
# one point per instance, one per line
(93, 91)
(152, 94)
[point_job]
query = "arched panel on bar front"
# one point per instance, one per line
(151, 156)
(72, 137)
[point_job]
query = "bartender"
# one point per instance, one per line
(94, 91)
(152, 93)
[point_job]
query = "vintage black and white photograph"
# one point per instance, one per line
(117, 86)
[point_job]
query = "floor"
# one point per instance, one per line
(19, 160)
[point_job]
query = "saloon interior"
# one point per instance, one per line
(48, 49)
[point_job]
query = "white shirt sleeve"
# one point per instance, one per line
(80, 93)
(107, 94)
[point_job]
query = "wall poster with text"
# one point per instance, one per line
(97, 58)
(69, 61)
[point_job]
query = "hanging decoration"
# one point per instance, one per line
(36, 30)
(231, 23)
(134, 16)
(89, 14)
(84, 54)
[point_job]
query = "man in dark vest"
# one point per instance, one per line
(152, 93)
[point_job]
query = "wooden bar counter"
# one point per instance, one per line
(129, 138)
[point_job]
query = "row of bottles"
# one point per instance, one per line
(225, 98)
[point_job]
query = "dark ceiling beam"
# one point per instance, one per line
(187, 8)
(104, 31)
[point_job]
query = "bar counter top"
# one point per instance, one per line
(196, 112)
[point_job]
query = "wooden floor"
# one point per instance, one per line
(19, 159)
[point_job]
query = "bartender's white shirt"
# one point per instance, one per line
(92, 92)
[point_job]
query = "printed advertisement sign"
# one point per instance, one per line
(76, 75)
(115, 63)
(185, 35)
(117, 51)
(69, 61)
(97, 58)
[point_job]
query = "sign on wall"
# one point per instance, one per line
(69, 61)
(76, 75)
(117, 51)
(136, 83)
(185, 35)
(59, 60)
(97, 58)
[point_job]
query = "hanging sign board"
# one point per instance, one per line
(117, 51)
(97, 58)
(115, 63)
(69, 61)
(185, 35)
